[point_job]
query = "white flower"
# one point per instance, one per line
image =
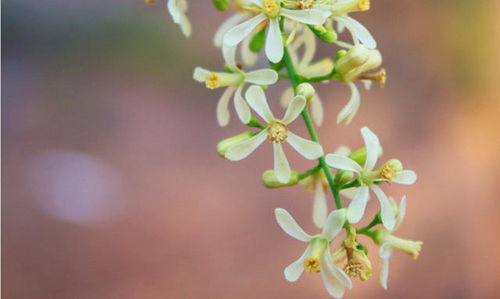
(349, 67)
(177, 9)
(359, 33)
(276, 131)
(235, 82)
(388, 242)
(369, 177)
(270, 11)
(307, 68)
(317, 256)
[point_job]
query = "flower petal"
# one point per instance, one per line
(384, 273)
(356, 209)
(248, 57)
(401, 212)
(286, 97)
(256, 98)
(320, 208)
(243, 149)
(405, 177)
(293, 110)
(227, 25)
(229, 54)
(274, 42)
(295, 269)
(262, 77)
(385, 251)
(349, 111)
(358, 31)
(222, 107)
(337, 272)
(281, 166)
(334, 224)
(290, 226)
(236, 34)
(200, 74)
(309, 149)
(334, 279)
(342, 162)
(317, 110)
(386, 211)
(306, 16)
(241, 106)
(372, 147)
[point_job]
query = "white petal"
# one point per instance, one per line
(309, 149)
(342, 162)
(256, 98)
(349, 111)
(358, 31)
(200, 74)
(290, 226)
(241, 106)
(405, 177)
(227, 25)
(274, 42)
(293, 110)
(185, 25)
(334, 279)
(337, 272)
(384, 273)
(372, 147)
(222, 107)
(320, 208)
(334, 224)
(239, 32)
(401, 212)
(306, 16)
(386, 211)
(317, 110)
(385, 251)
(281, 166)
(262, 77)
(229, 54)
(309, 41)
(343, 150)
(295, 269)
(248, 57)
(356, 209)
(243, 149)
(174, 11)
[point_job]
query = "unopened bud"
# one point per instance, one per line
(271, 181)
(327, 35)
(221, 4)
(258, 41)
(225, 144)
(360, 155)
(306, 90)
(357, 60)
(343, 177)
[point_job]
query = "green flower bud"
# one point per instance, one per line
(306, 90)
(258, 41)
(343, 177)
(271, 181)
(221, 4)
(360, 155)
(325, 34)
(223, 145)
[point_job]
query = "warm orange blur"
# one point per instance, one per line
(112, 187)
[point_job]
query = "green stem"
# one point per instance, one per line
(309, 172)
(374, 222)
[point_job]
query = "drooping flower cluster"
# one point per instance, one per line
(286, 34)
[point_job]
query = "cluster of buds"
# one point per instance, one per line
(286, 33)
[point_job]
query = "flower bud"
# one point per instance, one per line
(357, 60)
(409, 247)
(223, 145)
(258, 41)
(306, 90)
(271, 181)
(360, 155)
(343, 7)
(325, 34)
(343, 177)
(221, 4)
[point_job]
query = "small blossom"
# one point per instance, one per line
(270, 11)
(388, 242)
(368, 177)
(317, 256)
(177, 10)
(276, 132)
(359, 33)
(353, 254)
(235, 82)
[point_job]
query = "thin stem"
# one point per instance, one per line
(374, 222)
(309, 172)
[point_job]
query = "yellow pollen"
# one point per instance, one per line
(353, 269)
(380, 77)
(212, 81)
(320, 28)
(364, 4)
(271, 9)
(388, 173)
(311, 265)
(305, 4)
(277, 132)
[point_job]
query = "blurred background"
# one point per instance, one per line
(111, 186)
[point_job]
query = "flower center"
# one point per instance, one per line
(212, 81)
(388, 173)
(311, 265)
(271, 8)
(277, 132)
(305, 4)
(364, 4)
(353, 269)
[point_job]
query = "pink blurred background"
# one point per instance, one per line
(112, 187)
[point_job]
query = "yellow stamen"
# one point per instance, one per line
(388, 173)
(271, 8)
(380, 77)
(212, 81)
(277, 132)
(311, 265)
(305, 4)
(364, 4)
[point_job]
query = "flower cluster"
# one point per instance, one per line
(287, 34)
